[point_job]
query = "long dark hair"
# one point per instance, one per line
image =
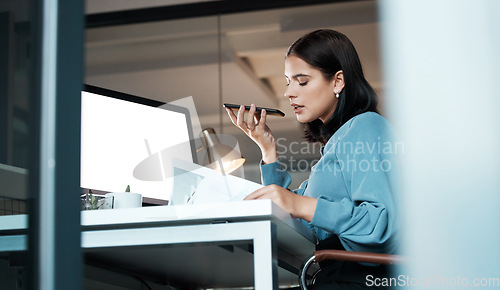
(330, 51)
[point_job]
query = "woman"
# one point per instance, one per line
(348, 199)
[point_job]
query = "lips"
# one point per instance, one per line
(297, 108)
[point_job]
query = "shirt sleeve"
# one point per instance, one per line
(274, 173)
(365, 220)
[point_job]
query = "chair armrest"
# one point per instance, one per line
(361, 257)
(350, 256)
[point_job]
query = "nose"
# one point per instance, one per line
(289, 93)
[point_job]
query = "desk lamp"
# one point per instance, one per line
(220, 157)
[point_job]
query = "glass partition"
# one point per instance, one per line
(16, 143)
(40, 83)
(216, 58)
(228, 58)
(15, 85)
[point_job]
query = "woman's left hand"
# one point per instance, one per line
(297, 205)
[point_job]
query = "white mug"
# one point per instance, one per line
(126, 199)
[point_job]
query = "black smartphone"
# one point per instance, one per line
(270, 111)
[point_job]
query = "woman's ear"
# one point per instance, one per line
(338, 82)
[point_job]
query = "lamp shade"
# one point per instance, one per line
(220, 157)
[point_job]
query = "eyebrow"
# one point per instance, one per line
(298, 75)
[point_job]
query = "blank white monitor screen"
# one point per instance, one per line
(128, 140)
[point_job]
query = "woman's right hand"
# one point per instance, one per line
(256, 128)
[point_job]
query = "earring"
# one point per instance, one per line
(337, 94)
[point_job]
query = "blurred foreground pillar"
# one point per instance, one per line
(442, 70)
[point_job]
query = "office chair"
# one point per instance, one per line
(349, 256)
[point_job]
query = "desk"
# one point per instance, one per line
(233, 244)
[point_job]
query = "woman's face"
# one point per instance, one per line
(311, 96)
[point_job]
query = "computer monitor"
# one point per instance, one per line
(128, 140)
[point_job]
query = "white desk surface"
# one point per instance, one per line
(237, 211)
(193, 213)
(294, 241)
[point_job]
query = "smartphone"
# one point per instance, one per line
(270, 111)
